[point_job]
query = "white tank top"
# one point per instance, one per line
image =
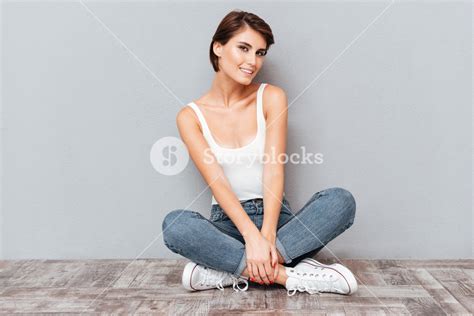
(242, 166)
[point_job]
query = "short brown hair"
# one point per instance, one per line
(231, 24)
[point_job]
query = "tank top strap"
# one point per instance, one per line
(260, 114)
(206, 131)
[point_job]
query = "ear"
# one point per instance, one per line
(217, 48)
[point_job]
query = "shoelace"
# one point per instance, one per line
(310, 287)
(220, 279)
(235, 284)
(301, 289)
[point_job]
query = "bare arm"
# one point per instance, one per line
(273, 172)
(212, 172)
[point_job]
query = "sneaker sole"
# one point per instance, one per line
(187, 276)
(345, 272)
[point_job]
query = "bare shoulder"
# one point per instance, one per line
(186, 117)
(275, 91)
(274, 99)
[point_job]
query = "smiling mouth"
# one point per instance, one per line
(246, 71)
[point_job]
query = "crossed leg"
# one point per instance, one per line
(326, 215)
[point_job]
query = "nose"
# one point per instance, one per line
(251, 60)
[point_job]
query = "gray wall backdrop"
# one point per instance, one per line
(387, 100)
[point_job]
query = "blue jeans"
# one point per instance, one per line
(217, 243)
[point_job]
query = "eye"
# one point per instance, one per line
(260, 53)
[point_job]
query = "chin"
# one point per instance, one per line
(245, 81)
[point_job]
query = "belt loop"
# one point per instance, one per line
(254, 203)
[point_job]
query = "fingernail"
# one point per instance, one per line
(252, 279)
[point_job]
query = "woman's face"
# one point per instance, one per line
(242, 56)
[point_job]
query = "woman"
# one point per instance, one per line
(252, 231)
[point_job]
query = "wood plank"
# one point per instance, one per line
(252, 299)
(146, 286)
(44, 293)
(423, 306)
(399, 276)
(121, 307)
(332, 311)
(388, 264)
(458, 291)
(447, 302)
(276, 298)
(150, 274)
(357, 301)
(365, 272)
(12, 274)
(394, 291)
(98, 273)
(157, 307)
(358, 311)
(449, 274)
(11, 306)
(441, 263)
(469, 272)
(161, 293)
(190, 307)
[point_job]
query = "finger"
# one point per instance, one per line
(268, 272)
(256, 276)
(262, 268)
(250, 271)
(256, 273)
(269, 269)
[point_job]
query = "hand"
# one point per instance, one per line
(271, 237)
(260, 260)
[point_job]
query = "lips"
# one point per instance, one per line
(247, 71)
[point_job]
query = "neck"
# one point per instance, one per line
(227, 91)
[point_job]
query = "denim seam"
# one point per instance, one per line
(282, 250)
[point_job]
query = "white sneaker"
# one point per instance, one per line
(314, 277)
(197, 278)
(348, 276)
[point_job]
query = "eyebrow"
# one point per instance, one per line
(245, 43)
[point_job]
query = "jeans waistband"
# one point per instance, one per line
(257, 203)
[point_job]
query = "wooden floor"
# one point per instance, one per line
(396, 287)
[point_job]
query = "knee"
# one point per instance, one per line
(171, 226)
(347, 202)
(170, 218)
